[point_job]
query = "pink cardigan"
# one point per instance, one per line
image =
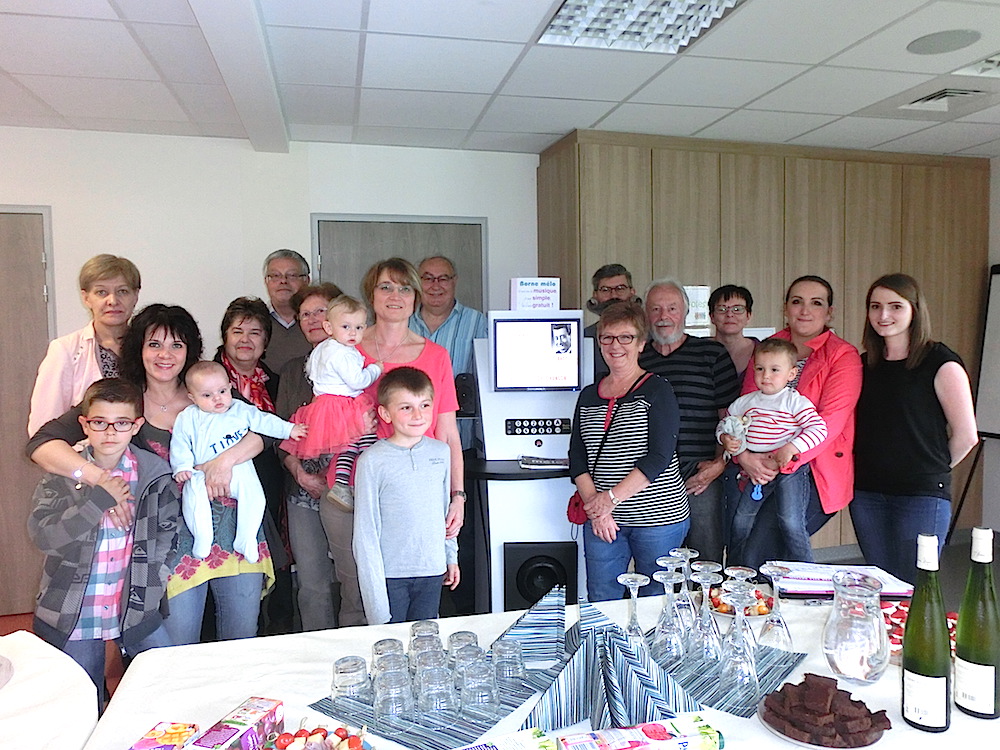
(831, 379)
(69, 368)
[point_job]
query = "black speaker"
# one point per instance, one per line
(530, 569)
(467, 391)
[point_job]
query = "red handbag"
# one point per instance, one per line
(574, 511)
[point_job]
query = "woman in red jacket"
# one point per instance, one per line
(830, 377)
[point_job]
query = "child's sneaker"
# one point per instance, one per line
(342, 496)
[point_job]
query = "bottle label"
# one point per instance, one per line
(982, 545)
(927, 552)
(975, 686)
(925, 699)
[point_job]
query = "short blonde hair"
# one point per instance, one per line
(400, 270)
(344, 303)
(105, 266)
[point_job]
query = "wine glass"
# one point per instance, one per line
(708, 640)
(774, 632)
(684, 604)
(633, 581)
(735, 586)
(668, 646)
(738, 676)
(740, 572)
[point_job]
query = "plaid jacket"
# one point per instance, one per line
(64, 525)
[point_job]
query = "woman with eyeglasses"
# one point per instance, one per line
(160, 346)
(622, 459)
(729, 308)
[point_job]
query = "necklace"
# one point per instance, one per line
(163, 407)
(378, 349)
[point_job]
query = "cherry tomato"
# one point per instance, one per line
(302, 733)
(321, 731)
(354, 742)
(283, 740)
(342, 732)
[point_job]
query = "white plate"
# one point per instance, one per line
(786, 738)
(763, 588)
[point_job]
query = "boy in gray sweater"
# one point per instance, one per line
(401, 498)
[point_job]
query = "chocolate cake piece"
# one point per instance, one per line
(776, 702)
(880, 720)
(854, 725)
(818, 693)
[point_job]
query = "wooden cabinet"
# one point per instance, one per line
(759, 215)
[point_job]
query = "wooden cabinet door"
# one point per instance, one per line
(615, 211)
(558, 193)
(751, 209)
(686, 238)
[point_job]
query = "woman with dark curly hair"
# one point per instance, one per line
(161, 344)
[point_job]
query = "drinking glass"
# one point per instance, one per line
(458, 639)
(774, 632)
(684, 604)
(464, 656)
(436, 691)
(855, 641)
(351, 680)
(508, 663)
(424, 627)
(386, 646)
(669, 642)
(633, 581)
(738, 676)
(393, 695)
(433, 659)
(479, 688)
(391, 663)
(422, 643)
(706, 636)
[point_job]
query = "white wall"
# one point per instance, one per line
(198, 215)
(991, 450)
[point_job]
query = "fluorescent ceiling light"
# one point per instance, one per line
(664, 26)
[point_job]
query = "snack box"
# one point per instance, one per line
(684, 732)
(524, 739)
(247, 727)
(167, 735)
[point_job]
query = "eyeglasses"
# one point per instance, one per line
(616, 289)
(442, 279)
(319, 312)
(121, 425)
(406, 290)
(275, 277)
(734, 309)
(624, 339)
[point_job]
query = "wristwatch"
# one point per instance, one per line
(78, 474)
(614, 500)
(459, 493)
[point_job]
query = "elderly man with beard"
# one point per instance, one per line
(612, 283)
(705, 383)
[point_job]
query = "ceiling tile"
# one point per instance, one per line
(318, 56)
(318, 105)
(317, 14)
(417, 109)
(660, 119)
(886, 50)
(321, 133)
(859, 132)
(71, 47)
(524, 143)
(991, 114)
(766, 127)
(707, 82)
(180, 52)
(159, 127)
(16, 101)
(207, 103)
(412, 137)
(499, 20)
(990, 149)
(784, 30)
(946, 138)
(160, 11)
(96, 97)
(517, 114)
(68, 8)
(428, 64)
(29, 121)
(836, 91)
(578, 73)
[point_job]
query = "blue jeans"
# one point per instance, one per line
(605, 562)
(887, 527)
(90, 655)
(417, 598)
(237, 607)
(788, 497)
(706, 533)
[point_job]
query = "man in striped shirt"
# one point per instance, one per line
(782, 423)
(704, 380)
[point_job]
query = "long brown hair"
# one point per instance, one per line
(919, 331)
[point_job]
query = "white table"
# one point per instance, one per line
(202, 683)
(50, 701)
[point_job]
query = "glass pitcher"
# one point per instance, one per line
(855, 640)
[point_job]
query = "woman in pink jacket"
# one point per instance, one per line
(830, 377)
(109, 288)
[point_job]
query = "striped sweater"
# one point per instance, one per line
(784, 417)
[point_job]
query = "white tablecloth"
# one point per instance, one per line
(204, 682)
(49, 702)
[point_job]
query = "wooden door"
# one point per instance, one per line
(558, 192)
(23, 339)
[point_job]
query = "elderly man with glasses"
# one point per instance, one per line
(612, 283)
(285, 272)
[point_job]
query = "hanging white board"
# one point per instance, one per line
(988, 397)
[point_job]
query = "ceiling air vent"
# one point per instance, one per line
(943, 100)
(988, 68)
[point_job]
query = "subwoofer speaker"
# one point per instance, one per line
(530, 569)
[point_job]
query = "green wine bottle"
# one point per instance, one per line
(977, 637)
(927, 647)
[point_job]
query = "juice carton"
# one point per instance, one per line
(683, 732)
(167, 735)
(247, 727)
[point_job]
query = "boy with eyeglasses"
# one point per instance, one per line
(108, 547)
